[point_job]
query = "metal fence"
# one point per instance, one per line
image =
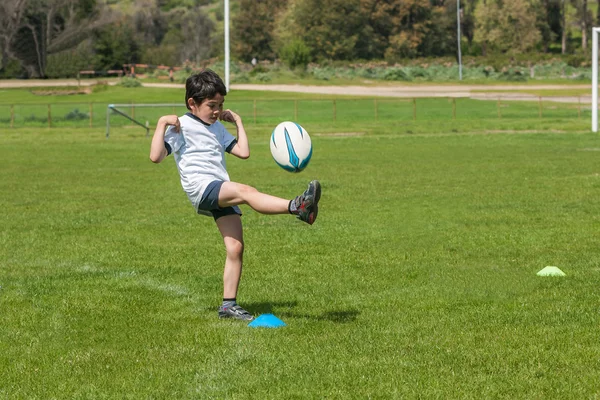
(95, 115)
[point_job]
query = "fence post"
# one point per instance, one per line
(295, 110)
(376, 109)
(334, 110)
(132, 110)
(414, 109)
(454, 108)
(49, 116)
(578, 107)
(107, 121)
(540, 108)
(12, 115)
(498, 108)
(91, 115)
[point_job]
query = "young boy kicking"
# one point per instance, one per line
(198, 141)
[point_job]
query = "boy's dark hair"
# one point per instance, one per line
(203, 85)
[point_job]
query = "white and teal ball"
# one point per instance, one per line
(291, 146)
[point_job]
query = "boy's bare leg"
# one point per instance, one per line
(233, 194)
(230, 227)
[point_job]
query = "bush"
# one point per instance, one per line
(130, 82)
(477, 72)
(259, 69)
(68, 63)
(323, 74)
(395, 74)
(367, 72)
(157, 73)
(577, 60)
(33, 118)
(181, 76)
(76, 115)
(241, 78)
(263, 77)
(582, 77)
(12, 69)
(295, 54)
(512, 75)
(417, 72)
(160, 55)
(100, 86)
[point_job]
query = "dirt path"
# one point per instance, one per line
(406, 91)
(415, 91)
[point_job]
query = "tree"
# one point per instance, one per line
(441, 36)
(584, 20)
(402, 26)
(190, 32)
(37, 28)
(330, 34)
(563, 24)
(151, 24)
(11, 15)
(507, 26)
(547, 21)
(553, 17)
(468, 19)
(115, 45)
(196, 47)
(253, 29)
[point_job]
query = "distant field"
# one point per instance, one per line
(22, 108)
(417, 281)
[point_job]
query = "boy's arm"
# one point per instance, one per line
(241, 148)
(158, 151)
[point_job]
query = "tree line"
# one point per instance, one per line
(53, 38)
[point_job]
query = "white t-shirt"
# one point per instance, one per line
(199, 151)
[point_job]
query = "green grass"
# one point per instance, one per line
(417, 281)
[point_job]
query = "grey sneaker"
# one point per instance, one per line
(307, 207)
(236, 312)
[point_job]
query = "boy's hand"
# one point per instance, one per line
(171, 120)
(230, 116)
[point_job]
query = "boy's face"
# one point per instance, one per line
(209, 109)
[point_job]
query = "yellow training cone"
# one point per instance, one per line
(551, 271)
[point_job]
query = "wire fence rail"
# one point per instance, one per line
(96, 115)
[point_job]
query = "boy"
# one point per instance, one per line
(198, 141)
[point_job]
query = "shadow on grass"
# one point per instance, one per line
(337, 316)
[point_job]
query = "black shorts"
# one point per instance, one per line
(209, 203)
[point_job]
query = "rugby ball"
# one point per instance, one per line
(291, 147)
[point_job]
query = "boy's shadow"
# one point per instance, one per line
(337, 316)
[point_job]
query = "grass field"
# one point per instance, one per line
(417, 281)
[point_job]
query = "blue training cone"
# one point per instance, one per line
(266, 321)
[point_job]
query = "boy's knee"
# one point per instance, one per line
(234, 247)
(246, 190)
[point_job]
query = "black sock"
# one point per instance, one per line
(229, 302)
(292, 207)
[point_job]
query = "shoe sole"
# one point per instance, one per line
(246, 316)
(314, 199)
(229, 316)
(317, 192)
(312, 217)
